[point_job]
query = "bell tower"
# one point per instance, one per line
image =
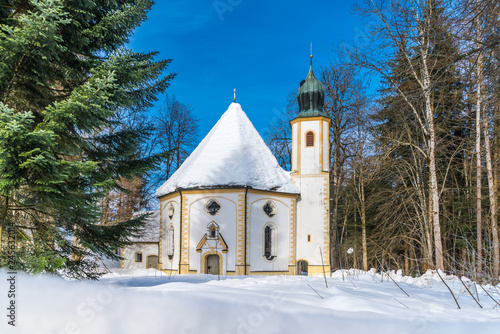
(310, 174)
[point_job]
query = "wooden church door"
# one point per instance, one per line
(152, 262)
(213, 264)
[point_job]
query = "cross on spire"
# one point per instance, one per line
(234, 99)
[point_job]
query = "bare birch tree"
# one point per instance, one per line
(409, 28)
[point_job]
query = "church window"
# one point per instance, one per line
(170, 242)
(308, 238)
(269, 242)
(212, 207)
(212, 230)
(170, 211)
(309, 138)
(138, 257)
(270, 208)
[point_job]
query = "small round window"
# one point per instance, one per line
(270, 208)
(212, 207)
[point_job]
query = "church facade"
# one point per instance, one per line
(230, 209)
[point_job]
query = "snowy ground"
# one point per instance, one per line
(147, 301)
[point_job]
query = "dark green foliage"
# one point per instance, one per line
(64, 74)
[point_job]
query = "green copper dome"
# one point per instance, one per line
(311, 96)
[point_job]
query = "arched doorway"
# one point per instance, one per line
(152, 262)
(302, 268)
(212, 264)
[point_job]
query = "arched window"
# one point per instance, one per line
(309, 138)
(170, 241)
(269, 242)
(138, 257)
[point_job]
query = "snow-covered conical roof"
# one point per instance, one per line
(232, 154)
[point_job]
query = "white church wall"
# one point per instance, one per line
(258, 220)
(295, 130)
(129, 254)
(310, 219)
(309, 157)
(165, 262)
(326, 151)
(199, 219)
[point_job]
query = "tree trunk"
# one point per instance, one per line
(363, 223)
(479, 79)
(493, 207)
(434, 192)
(334, 244)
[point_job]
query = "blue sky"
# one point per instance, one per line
(261, 48)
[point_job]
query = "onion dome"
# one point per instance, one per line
(311, 95)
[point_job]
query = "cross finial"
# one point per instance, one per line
(234, 99)
(311, 49)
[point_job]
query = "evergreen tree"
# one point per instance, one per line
(64, 73)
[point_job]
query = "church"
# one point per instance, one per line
(230, 209)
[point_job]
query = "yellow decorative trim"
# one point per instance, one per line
(293, 233)
(204, 240)
(320, 143)
(211, 191)
(168, 196)
(184, 269)
(299, 146)
(160, 239)
(308, 119)
(297, 175)
(169, 271)
(183, 256)
(272, 193)
(240, 230)
(326, 219)
(240, 270)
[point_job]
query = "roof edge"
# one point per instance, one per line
(225, 187)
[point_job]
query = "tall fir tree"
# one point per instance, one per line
(65, 71)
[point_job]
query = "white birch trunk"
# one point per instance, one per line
(479, 78)
(493, 208)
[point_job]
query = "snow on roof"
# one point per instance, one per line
(151, 232)
(232, 154)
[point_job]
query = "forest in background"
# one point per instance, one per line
(414, 175)
(414, 165)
